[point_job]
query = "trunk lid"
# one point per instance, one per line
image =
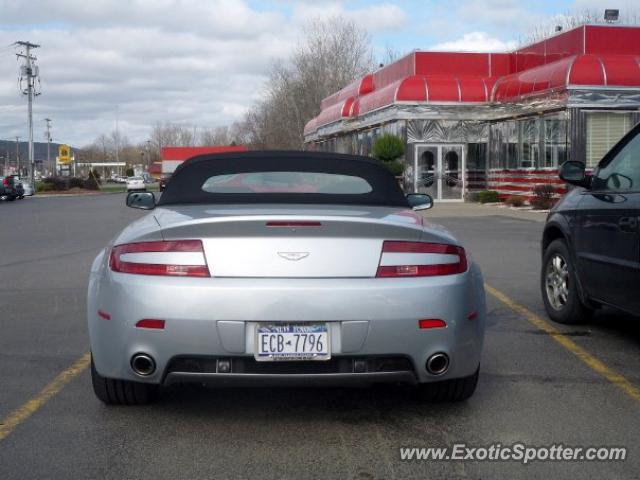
(270, 241)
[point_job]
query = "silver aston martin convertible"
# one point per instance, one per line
(285, 268)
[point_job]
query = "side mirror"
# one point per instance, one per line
(573, 172)
(420, 201)
(141, 200)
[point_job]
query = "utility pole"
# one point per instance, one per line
(53, 170)
(29, 71)
(148, 153)
(18, 154)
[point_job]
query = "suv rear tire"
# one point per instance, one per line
(559, 286)
(454, 390)
(122, 392)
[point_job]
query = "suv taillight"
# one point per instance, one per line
(5, 181)
(182, 258)
(420, 259)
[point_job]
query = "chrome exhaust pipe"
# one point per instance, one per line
(438, 363)
(143, 364)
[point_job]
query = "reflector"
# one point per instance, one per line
(150, 323)
(431, 323)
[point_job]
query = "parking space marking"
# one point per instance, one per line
(592, 362)
(15, 418)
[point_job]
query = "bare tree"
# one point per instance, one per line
(390, 55)
(331, 55)
(215, 136)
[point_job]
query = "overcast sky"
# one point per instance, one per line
(203, 62)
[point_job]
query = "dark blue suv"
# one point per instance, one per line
(591, 241)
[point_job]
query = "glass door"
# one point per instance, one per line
(425, 177)
(439, 171)
(452, 173)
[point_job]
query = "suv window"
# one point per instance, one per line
(622, 173)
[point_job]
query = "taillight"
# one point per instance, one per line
(182, 258)
(5, 181)
(420, 259)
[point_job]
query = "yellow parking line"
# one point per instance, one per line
(592, 362)
(15, 418)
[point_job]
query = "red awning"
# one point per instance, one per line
(575, 71)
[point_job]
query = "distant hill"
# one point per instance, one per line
(8, 147)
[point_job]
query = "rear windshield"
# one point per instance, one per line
(286, 182)
(283, 177)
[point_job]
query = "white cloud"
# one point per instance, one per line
(375, 18)
(476, 42)
(498, 13)
(200, 62)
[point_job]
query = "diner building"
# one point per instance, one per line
(499, 121)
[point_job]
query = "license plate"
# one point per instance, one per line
(292, 342)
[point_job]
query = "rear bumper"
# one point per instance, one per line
(217, 318)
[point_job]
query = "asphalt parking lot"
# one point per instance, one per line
(579, 388)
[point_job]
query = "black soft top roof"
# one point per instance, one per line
(185, 186)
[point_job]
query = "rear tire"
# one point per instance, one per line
(559, 286)
(454, 390)
(122, 392)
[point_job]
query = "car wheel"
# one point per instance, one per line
(558, 282)
(122, 392)
(454, 390)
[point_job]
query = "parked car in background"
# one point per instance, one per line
(591, 241)
(164, 179)
(135, 183)
(25, 187)
(28, 189)
(265, 268)
(8, 191)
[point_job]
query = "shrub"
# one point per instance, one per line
(472, 196)
(95, 174)
(543, 197)
(488, 196)
(91, 184)
(129, 172)
(388, 147)
(56, 183)
(515, 201)
(395, 167)
(75, 182)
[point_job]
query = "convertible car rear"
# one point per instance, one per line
(284, 268)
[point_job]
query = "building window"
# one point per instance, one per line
(604, 129)
(529, 150)
(555, 142)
